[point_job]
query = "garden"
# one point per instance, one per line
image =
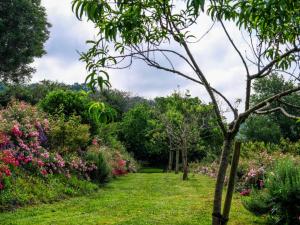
(89, 153)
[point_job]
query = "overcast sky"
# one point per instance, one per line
(214, 54)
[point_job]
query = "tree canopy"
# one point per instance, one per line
(23, 32)
(146, 30)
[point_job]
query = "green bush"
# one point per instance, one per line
(68, 136)
(70, 103)
(103, 172)
(280, 200)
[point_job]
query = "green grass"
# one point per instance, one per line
(136, 199)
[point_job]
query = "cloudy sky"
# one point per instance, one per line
(214, 54)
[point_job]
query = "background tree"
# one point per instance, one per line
(139, 30)
(23, 32)
(268, 86)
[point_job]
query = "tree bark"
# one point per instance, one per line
(171, 153)
(184, 165)
(217, 216)
(184, 161)
(231, 183)
(177, 162)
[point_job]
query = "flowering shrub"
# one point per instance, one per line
(118, 165)
(7, 162)
(280, 200)
(24, 143)
(23, 139)
(205, 169)
(84, 168)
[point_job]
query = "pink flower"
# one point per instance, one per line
(95, 142)
(121, 163)
(40, 163)
(33, 134)
(45, 155)
(44, 172)
(16, 131)
(1, 186)
(245, 192)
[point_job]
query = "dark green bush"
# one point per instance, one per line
(280, 200)
(102, 174)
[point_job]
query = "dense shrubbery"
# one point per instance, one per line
(68, 136)
(33, 146)
(280, 199)
(257, 158)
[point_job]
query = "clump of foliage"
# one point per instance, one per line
(102, 174)
(147, 130)
(68, 136)
(70, 103)
(280, 199)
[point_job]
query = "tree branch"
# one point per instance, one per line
(243, 116)
(273, 62)
(282, 110)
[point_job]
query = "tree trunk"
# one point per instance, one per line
(177, 162)
(231, 183)
(216, 216)
(184, 162)
(170, 161)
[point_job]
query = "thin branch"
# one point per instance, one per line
(235, 47)
(282, 110)
(273, 62)
(243, 116)
(158, 66)
(202, 78)
(288, 104)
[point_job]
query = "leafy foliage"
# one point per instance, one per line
(281, 198)
(24, 30)
(266, 87)
(71, 103)
(68, 136)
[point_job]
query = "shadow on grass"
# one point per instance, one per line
(150, 170)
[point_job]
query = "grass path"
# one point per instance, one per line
(137, 199)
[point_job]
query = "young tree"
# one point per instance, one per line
(142, 29)
(23, 32)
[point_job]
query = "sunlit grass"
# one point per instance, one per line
(143, 198)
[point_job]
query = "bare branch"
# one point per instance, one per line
(273, 62)
(235, 47)
(288, 104)
(282, 110)
(158, 66)
(201, 77)
(243, 116)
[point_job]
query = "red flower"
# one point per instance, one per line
(1, 186)
(7, 172)
(44, 172)
(16, 131)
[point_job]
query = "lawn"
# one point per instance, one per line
(136, 199)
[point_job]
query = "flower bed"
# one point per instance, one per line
(24, 144)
